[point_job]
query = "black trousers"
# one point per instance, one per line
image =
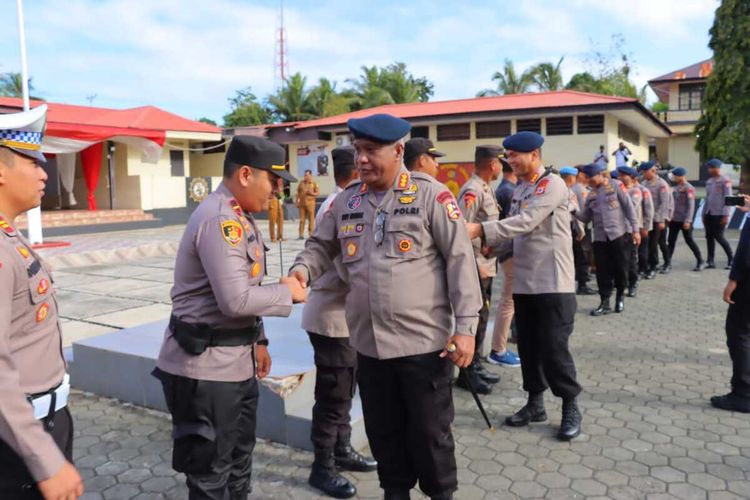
(738, 339)
(15, 479)
(675, 228)
(408, 410)
(715, 233)
(545, 323)
(484, 316)
(612, 264)
(643, 249)
(657, 240)
(214, 434)
(336, 365)
(582, 258)
(632, 263)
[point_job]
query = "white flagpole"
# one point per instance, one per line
(34, 216)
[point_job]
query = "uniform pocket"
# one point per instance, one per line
(404, 238)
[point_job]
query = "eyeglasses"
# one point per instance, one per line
(379, 233)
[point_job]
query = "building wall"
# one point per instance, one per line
(206, 165)
(156, 185)
(682, 153)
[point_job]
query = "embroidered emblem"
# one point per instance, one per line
(406, 200)
(231, 230)
(449, 202)
(403, 181)
(255, 270)
(404, 245)
(236, 207)
(542, 187)
(23, 251)
(359, 228)
(43, 286)
(351, 249)
(363, 188)
(354, 202)
(42, 312)
(411, 189)
(7, 228)
(469, 199)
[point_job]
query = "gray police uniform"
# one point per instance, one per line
(412, 284)
(636, 196)
(684, 209)
(614, 219)
(207, 359)
(543, 281)
(661, 197)
(648, 224)
(582, 248)
(714, 209)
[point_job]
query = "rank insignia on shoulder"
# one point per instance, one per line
(236, 207)
(542, 187)
(42, 287)
(363, 188)
(406, 200)
(231, 230)
(403, 181)
(351, 249)
(42, 312)
(23, 251)
(404, 245)
(411, 189)
(7, 228)
(354, 202)
(255, 270)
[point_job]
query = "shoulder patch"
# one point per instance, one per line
(231, 230)
(469, 198)
(446, 199)
(541, 188)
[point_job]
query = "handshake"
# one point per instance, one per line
(297, 284)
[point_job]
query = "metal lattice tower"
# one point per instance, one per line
(281, 60)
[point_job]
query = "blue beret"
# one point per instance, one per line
(523, 142)
(592, 169)
(614, 174)
(379, 128)
(568, 171)
(715, 163)
(679, 171)
(628, 171)
(645, 165)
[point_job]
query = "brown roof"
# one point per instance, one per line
(695, 71)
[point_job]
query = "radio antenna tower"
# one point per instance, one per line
(281, 59)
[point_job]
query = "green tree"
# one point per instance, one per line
(246, 110)
(292, 101)
(326, 101)
(392, 84)
(509, 82)
(11, 85)
(608, 71)
(724, 129)
(547, 76)
(208, 121)
(585, 82)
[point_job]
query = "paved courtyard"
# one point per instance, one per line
(647, 374)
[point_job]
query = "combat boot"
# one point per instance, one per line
(603, 309)
(632, 291)
(570, 425)
(483, 373)
(619, 302)
(347, 458)
(532, 412)
(326, 478)
(467, 378)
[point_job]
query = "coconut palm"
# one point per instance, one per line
(292, 101)
(548, 77)
(509, 82)
(11, 85)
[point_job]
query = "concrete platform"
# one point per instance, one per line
(119, 365)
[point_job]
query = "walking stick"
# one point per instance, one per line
(452, 348)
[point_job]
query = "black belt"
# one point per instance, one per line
(195, 338)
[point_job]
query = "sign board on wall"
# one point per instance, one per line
(455, 175)
(313, 157)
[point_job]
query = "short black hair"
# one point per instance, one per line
(506, 167)
(308, 171)
(230, 168)
(411, 162)
(343, 172)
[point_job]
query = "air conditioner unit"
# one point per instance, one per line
(343, 140)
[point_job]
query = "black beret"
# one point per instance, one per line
(343, 155)
(523, 142)
(418, 146)
(259, 153)
(488, 151)
(380, 127)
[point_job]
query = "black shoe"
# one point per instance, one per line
(650, 275)
(483, 373)
(533, 411)
(699, 266)
(619, 303)
(710, 265)
(585, 290)
(570, 425)
(729, 264)
(603, 309)
(396, 495)
(731, 402)
(467, 378)
(347, 458)
(665, 269)
(324, 477)
(632, 291)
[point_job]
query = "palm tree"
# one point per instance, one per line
(508, 82)
(292, 101)
(548, 77)
(388, 85)
(11, 85)
(369, 90)
(326, 101)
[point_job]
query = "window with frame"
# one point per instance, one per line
(628, 133)
(454, 132)
(530, 125)
(590, 124)
(421, 131)
(560, 125)
(486, 130)
(691, 96)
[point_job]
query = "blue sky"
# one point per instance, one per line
(189, 56)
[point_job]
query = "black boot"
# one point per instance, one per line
(467, 378)
(532, 412)
(632, 291)
(699, 266)
(483, 373)
(347, 458)
(603, 309)
(326, 478)
(570, 426)
(584, 289)
(665, 268)
(396, 495)
(729, 264)
(651, 274)
(710, 265)
(619, 302)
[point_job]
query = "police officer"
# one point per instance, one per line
(582, 252)
(420, 155)
(36, 429)
(412, 306)
(276, 217)
(307, 193)
(324, 320)
(616, 227)
(716, 212)
(682, 218)
(214, 348)
(737, 295)
(578, 229)
(478, 204)
(648, 223)
(661, 196)
(538, 228)
(641, 199)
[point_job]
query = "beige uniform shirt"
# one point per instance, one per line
(219, 268)
(307, 191)
(324, 312)
(407, 287)
(478, 204)
(539, 226)
(31, 359)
